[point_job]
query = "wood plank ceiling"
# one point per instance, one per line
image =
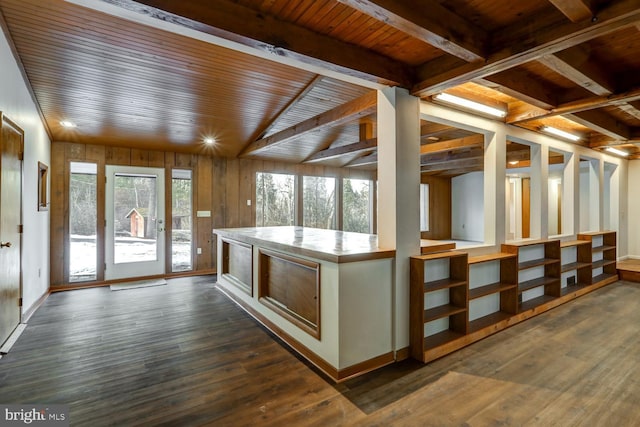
(293, 79)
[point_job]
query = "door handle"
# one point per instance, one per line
(5, 244)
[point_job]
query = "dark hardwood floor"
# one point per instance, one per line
(183, 354)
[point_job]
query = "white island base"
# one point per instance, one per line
(328, 294)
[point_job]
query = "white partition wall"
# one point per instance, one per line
(583, 193)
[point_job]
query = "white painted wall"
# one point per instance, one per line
(467, 207)
(633, 197)
(17, 104)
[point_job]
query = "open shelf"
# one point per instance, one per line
(605, 276)
(602, 248)
(570, 288)
(573, 243)
(536, 283)
(536, 263)
(454, 288)
(575, 266)
(436, 340)
(535, 302)
(437, 285)
(488, 320)
(483, 291)
(439, 312)
(490, 257)
(602, 263)
(604, 243)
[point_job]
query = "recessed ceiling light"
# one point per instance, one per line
(616, 151)
(513, 162)
(560, 133)
(433, 138)
(67, 124)
(209, 140)
(467, 103)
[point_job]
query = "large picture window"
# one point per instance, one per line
(356, 205)
(275, 199)
(319, 202)
(181, 220)
(82, 221)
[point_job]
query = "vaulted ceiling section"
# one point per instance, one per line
(294, 80)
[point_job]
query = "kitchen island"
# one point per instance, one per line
(326, 293)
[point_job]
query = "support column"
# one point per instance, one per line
(495, 175)
(399, 194)
(577, 193)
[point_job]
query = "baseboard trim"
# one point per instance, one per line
(36, 305)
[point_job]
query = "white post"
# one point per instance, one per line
(399, 194)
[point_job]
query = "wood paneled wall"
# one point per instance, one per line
(439, 207)
(220, 185)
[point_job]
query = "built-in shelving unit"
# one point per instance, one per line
(439, 297)
(576, 262)
(490, 303)
(603, 258)
(457, 300)
(538, 271)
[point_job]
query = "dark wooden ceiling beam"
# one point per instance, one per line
(580, 105)
(444, 157)
(521, 85)
(575, 10)
(432, 129)
(240, 24)
(454, 144)
(519, 155)
(631, 108)
(308, 88)
(524, 42)
(572, 65)
(355, 148)
(370, 159)
(606, 141)
(454, 164)
(359, 107)
(431, 23)
(602, 123)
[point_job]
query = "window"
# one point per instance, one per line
(275, 199)
(356, 205)
(424, 207)
(181, 220)
(82, 222)
(319, 202)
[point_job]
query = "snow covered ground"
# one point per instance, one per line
(128, 249)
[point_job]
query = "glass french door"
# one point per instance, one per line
(135, 222)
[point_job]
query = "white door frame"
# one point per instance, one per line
(133, 269)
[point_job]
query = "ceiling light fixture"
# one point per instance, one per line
(209, 140)
(513, 162)
(616, 151)
(467, 103)
(67, 124)
(560, 133)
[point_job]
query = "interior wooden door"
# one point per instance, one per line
(11, 144)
